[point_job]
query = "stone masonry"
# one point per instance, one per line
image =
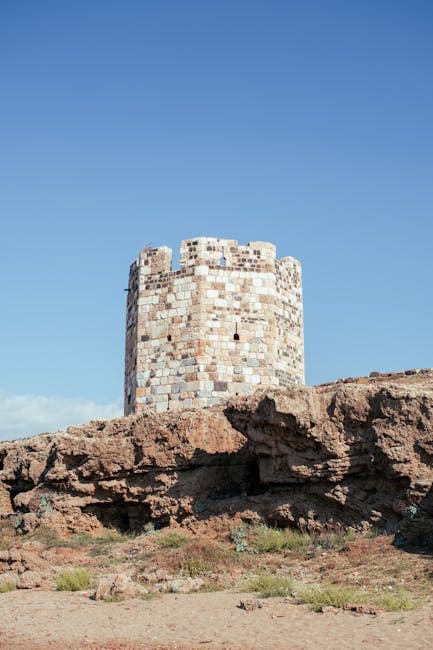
(228, 321)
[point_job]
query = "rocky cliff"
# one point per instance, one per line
(355, 453)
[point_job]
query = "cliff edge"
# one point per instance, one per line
(356, 453)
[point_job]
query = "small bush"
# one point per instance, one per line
(319, 596)
(269, 586)
(398, 601)
(5, 542)
(113, 599)
(194, 567)
(239, 537)
(334, 541)
(74, 580)
(7, 586)
(272, 540)
(171, 540)
(104, 538)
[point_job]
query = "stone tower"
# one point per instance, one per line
(228, 321)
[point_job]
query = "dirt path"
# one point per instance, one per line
(34, 620)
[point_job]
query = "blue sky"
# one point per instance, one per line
(122, 124)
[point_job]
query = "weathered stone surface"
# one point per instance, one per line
(21, 560)
(33, 579)
(353, 453)
(117, 586)
(183, 585)
(126, 472)
(230, 319)
(356, 453)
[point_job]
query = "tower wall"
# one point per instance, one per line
(228, 321)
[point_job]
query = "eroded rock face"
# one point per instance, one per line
(354, 453)
(126, 472)
(357, 453)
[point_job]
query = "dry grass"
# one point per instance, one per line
(337, 595)
(75, 580)
(270, 586)
(398, 601)
(274, 540)
(334, 540)
(171, 539)
(106, 536)
(328, 595)
(353, 567)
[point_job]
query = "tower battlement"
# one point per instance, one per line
(229, 320)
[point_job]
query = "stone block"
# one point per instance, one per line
(220, 386)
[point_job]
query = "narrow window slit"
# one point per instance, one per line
(169, 337)
(222, 258)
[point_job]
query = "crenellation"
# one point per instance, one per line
(229, 320)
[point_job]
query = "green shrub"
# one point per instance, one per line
(397, 601)
(269, 586)
(104, 538)
(271, 540)
(195, 566)
(7, 586)
(239, 537)
(171, 540)
(115, 598)
(73, 580)
(319, 596)
(5, 542)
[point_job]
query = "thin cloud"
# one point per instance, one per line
(27, 415)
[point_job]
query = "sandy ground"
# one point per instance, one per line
(33, 620)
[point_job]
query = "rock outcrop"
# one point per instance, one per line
(126, 472)
(354, 453)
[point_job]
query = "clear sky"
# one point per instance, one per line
(132, 122)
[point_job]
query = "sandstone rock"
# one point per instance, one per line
(352, 454)
(362, 609)
(184, 586)
(117, 585)
(250, 605)
(31, 580)
(21, 560)
(126, 472)
(158, 576)
(355, 453)
(328, 609)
